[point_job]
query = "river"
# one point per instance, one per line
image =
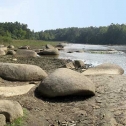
(118, 57)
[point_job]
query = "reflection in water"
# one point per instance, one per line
(94, 58)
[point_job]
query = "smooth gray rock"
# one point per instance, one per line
(25, 53)
(21, 72)
(78, 63)
(64, 82)
(49, 52)
(11, 47)
(61, 45)
(11, 52)
(24, 47)
(105, 68)
(48, 46)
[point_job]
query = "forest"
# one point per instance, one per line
(114, 34)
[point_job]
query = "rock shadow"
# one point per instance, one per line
(62, 99)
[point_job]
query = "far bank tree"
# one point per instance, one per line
(112, 34)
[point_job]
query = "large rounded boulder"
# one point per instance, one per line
(10, 109)
(53, 51)
(105, 68)
(63, 82)
(21, 72)
(25, 53)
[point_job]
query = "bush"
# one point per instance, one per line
(7, 39)
(19, 121)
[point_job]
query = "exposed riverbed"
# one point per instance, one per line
(106, 108)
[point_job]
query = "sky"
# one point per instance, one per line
(52, 14)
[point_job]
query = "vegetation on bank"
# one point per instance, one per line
(112, 34)
(20, 121)
(32, 43)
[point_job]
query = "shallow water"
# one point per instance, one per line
(93, 58)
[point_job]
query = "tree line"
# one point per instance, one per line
(112, 34)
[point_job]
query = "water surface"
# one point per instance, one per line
(93, 58)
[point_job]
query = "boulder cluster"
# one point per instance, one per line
(61, 82)
(9, 109)
(26, 51)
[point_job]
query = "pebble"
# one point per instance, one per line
(96, 107)
(14, 59)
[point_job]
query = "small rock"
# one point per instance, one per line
(78, 63)
(24, 47)
(79, 51)
(48, 46)
(60, 45)
(11, 47)
(70, 52)
(53, 51)
(11, 52)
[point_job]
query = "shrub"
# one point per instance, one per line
(6, 39)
